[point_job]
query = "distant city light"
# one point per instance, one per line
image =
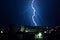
(45, 31)
(47, 27)
(51, 30)
(22, 28)
(26, 30)
(1, 31)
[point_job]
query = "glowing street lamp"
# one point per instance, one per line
(39, 36)
(1, 31)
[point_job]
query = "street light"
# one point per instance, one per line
(39, 36)
(1, 31)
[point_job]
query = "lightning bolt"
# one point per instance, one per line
(33, 13)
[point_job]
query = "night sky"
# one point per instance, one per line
(19, 12)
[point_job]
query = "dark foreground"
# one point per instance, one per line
(28, 33)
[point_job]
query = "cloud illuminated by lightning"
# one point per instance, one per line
(33, 13)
